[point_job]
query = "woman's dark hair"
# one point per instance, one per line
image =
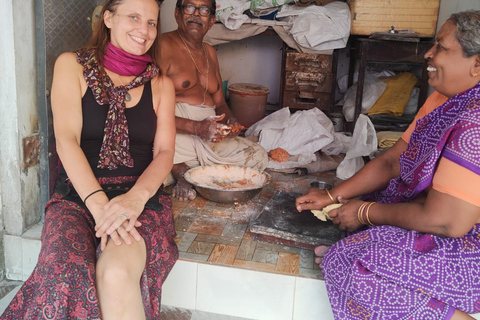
(468, 31)
(101, 34)
(213, 7)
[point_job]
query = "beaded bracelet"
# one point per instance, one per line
(91, 194)
(330, 196)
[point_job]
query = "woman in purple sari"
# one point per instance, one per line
(416, 250)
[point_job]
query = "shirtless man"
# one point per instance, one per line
(207, 132)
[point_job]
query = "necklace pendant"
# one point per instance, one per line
(128, 97)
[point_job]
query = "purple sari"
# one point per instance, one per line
(387, 272)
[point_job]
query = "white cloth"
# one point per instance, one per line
(195, 152)
(318, 27)
(301, 134)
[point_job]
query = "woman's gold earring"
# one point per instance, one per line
(474, 74)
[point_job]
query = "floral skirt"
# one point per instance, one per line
(62, 285)
(387, 272)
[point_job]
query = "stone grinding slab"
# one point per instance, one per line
(279, 218)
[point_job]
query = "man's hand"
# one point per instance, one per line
(235, 127)
(210, 129)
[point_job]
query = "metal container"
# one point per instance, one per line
(227, 183)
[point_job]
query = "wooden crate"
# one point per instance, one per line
(379, 15)
(308, 80)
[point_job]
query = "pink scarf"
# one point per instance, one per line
(124, 63)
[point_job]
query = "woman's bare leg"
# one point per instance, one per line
(118, 273)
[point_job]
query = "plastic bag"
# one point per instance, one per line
(373, 88)
(412, 104)
(230, 13)
(301, 134)
(364, 142)
(318, 27)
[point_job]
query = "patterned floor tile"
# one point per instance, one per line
(201, 248)
(207, 225)
(234, 230)
(288, 263)
(223, 254)
(246, 250)
(219, 240)
(252, 265)
(218, 233)
(186, 241)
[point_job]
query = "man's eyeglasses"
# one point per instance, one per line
(203, 11)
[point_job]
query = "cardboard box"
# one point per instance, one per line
(379, 15)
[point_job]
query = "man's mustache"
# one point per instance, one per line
(195, 20)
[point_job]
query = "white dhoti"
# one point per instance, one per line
(194, 152)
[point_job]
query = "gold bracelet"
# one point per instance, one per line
(331, 198)
(360, 213)
(366, 214)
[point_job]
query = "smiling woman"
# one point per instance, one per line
(414, 251)
(108, 236)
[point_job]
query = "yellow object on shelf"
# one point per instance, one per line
(395, 98)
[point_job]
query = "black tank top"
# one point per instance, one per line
(142, 124)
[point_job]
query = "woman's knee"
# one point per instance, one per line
(114, 276)
(118, 267)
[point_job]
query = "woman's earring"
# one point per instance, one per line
(474, 74)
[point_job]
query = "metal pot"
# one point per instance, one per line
(227, 183)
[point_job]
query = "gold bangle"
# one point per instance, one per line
(330, 196)
(366, 214)
(360, 213)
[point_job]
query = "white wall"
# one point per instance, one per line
(447, 7)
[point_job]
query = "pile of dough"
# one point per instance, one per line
(279, 155)
(323, 214)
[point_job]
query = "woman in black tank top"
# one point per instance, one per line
(108, 236)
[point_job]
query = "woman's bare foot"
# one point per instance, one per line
(183, 191)
(320, 252)
(460, 315)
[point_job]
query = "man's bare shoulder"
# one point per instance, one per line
(168, 39)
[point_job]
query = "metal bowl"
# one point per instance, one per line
(227, 183)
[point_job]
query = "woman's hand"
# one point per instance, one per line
(210, 129)
(125, 208)
(347, 215)
(314, 199)
(121, 234)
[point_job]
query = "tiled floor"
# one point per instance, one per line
(217, 233)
